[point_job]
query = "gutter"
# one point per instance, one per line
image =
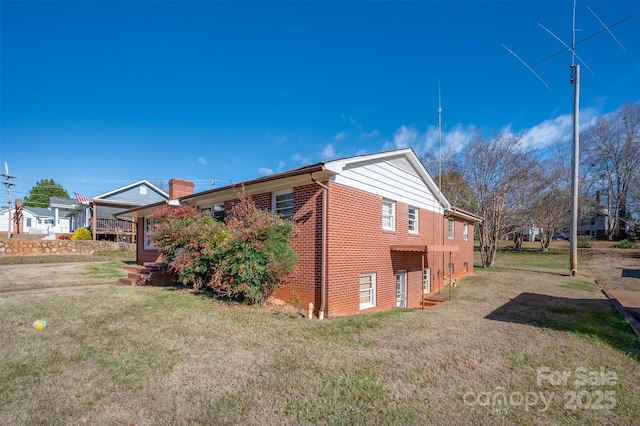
(323, 279)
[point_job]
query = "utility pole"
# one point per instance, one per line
(7, 182)
(575, 154)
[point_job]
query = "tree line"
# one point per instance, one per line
(516, 187)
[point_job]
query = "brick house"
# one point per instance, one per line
(373, 231)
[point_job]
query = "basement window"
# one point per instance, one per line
(367, 290)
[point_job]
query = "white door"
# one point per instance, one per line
(426, 281)
(401, 289)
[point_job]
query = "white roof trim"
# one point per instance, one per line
(131, 185)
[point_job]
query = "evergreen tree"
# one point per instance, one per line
(41, 192)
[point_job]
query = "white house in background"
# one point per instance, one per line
(35, 220)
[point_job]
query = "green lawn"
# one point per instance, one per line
(147, 355)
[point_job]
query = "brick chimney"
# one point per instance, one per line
(179, 188)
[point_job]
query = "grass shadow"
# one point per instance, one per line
(596, 318)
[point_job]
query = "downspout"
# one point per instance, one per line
(323, 275)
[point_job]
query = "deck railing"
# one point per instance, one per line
(113, 226)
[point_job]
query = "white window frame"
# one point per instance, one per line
(388, 215)
(451, 228)
(277, 209)
(414, 221)
(143, 190)
(148, 224)
(465, 232)
(370, 292)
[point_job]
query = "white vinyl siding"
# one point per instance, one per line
(388, 215)
(413, 220)
(451, 228)
(283, 204)
(367, 291)
(392, 177)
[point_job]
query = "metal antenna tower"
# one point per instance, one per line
(575, 81)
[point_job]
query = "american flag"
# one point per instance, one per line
(81, 198)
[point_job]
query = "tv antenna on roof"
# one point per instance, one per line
(575, 81)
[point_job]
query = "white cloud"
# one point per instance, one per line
(548, 132)
(328, 152)
(371, 134)
(265, 171)
(300, 159)
(343, 134)
(202, 160)
(281, 165)
(405, 137)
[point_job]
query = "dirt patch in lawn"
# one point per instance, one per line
(615, 269)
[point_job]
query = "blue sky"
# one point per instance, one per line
(97, 95)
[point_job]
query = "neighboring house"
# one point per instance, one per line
(373, 231)
(596, 226)
(99, 214)
(33, 220)
(61, 207)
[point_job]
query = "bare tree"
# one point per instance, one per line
(498, 170)
(612, 147)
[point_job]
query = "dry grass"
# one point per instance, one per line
(156, 356)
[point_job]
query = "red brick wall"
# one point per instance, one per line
(302, 286)
(465, 250)
(357, 244)
(143, 255)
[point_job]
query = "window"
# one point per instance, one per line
(283, 204)
(413, 220)
(388, 215)
(426, 281)
(143, 190)
(465, 266)
(148, 228)
(367, 290)
(28, 222)
(465, 232)
(451, 229)
(218, 212)
(450, 269)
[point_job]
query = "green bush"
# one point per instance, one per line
(244, 258)
(82, 234)
(626, 244)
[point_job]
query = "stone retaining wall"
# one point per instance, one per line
(29, 247)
